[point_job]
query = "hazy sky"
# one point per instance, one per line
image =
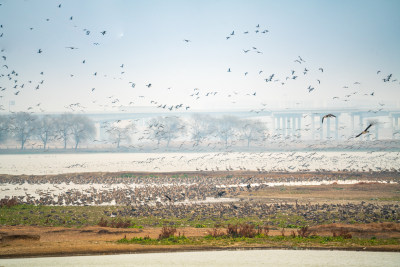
(350, 40)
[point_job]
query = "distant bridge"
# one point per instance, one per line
(293, 123)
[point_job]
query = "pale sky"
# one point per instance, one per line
(350, 40)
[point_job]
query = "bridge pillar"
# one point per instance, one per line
(352, 123)
(337, 127)
(321, 135)
(328, 128)
(360, 123)
(299, 126)
(98, 129)
(377, 131)
(284, 126)
(312, 127)
(394, 123)
(293, 126)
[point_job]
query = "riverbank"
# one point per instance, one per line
(94, 240)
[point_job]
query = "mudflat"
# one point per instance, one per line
(363, 215)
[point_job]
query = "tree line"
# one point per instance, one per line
(23, 126)
(197, 130)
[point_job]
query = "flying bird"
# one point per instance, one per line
(365, 131)
(328, 116)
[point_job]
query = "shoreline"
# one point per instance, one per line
(189, 249)
(96, 240)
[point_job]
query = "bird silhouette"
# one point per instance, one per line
(365, 131)
(327, 116)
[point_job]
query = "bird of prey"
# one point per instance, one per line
(327, 116)
(365, 131)
(40, 51)
(103, 32)
(148, 85)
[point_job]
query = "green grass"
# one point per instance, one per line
(78, 216)
(273, 241)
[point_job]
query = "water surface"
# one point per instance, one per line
(170, 162)
(285, 258)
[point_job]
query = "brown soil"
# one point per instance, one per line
(59, 241)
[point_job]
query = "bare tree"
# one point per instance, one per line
(252, 130)
(23, 126)
(63, 127)
(165, 128)
(173, 127)
(82, 128)
(120, 132)
(45, 129)
(201, 127)
(226, 128)
(156, 130)
(4, 128)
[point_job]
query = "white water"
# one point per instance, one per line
(285, 258)
(168, 162)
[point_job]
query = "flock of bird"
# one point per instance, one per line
(13, 80)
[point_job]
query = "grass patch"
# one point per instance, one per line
(78, 216)
(261, 239)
